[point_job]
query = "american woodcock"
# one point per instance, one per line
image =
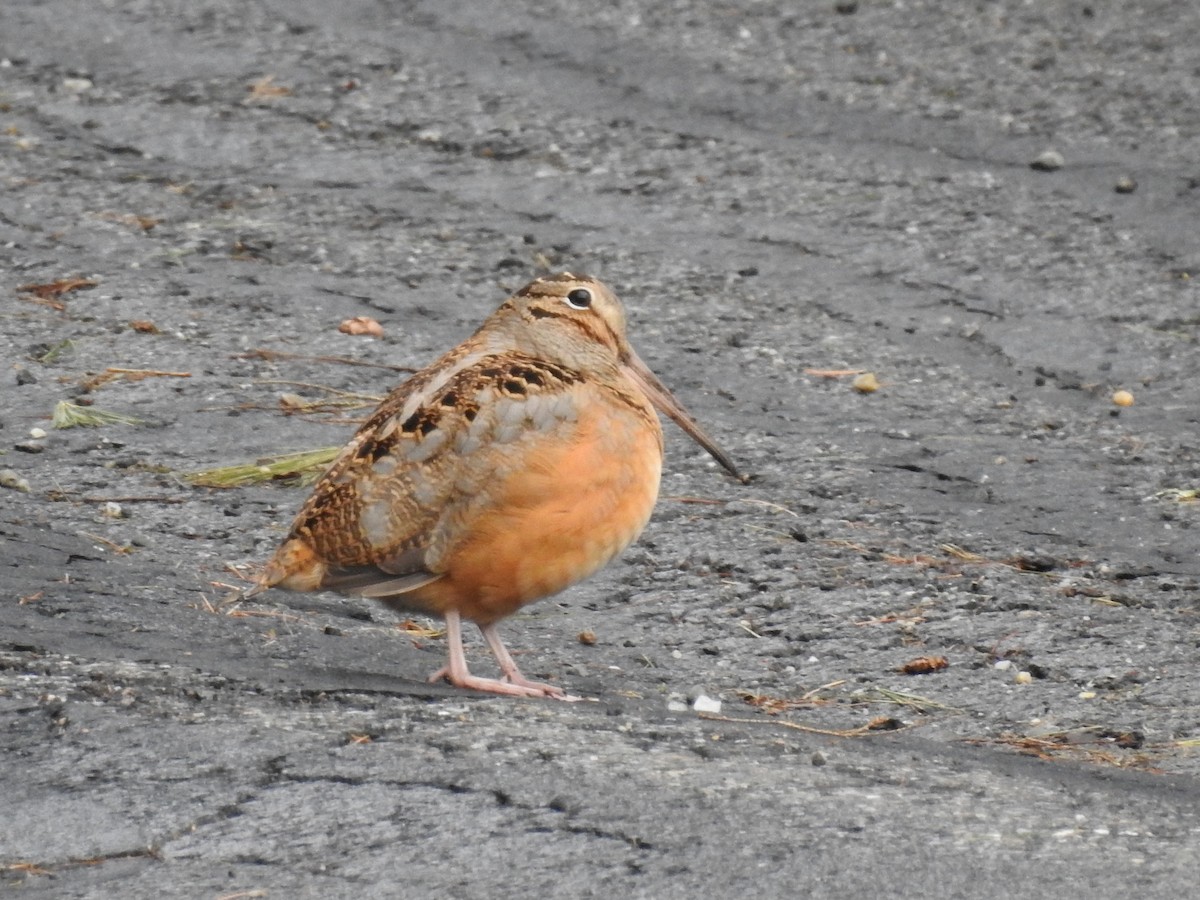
(519, 463)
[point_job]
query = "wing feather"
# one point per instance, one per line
(435, 443)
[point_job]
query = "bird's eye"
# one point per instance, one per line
(580, 298)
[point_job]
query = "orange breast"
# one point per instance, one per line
(569, 507)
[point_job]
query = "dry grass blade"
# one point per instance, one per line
(1098, 745)
(53, 353)
(418, 630)
(122, 549)
(303, 467)
(769, 505)
(965, 555)
(775, 705)
(25, 868)
(349, 395)
(833, 373)
(872, 727)
(71, 415)
(113, 373)
(293, 404)
(264, 353)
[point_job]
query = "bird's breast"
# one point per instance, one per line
(557, 506)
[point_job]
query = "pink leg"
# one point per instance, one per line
(459, 676)
(508, 666)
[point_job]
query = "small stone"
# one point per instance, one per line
(1087, 695)
(10, 479)
(706, 704)
(77, 85)
(37, 433)
(846, 7)
(29, 447)
(1126, 184)
(24, 376)
(818, 758)
(1122, 398)
(587, 638)
(865, 383)
(1003, 665)
(1047, 161)
(113, 510)
(676, 706)
(1023, 678)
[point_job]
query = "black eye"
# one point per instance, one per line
(580, 298)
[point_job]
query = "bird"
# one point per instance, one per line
(520, 462)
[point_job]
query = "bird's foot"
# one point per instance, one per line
(510, 687)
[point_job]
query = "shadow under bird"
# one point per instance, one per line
(520, 462)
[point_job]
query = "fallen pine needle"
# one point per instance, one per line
(71, 415)
(913, 701)
(306, 466)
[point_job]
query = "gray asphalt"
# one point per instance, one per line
(777, 191)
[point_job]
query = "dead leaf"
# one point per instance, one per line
(52, 290)
(146, 223)
(266, 89)
(361, 325)
(923, 665)
(884, 723)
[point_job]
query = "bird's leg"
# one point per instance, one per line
(508, 666)
(457, 674)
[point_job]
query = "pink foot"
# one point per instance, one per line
(522, 688)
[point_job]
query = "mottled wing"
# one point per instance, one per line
(436, 442)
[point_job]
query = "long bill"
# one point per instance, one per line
(664, 401)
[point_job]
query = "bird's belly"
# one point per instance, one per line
(565, 511)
